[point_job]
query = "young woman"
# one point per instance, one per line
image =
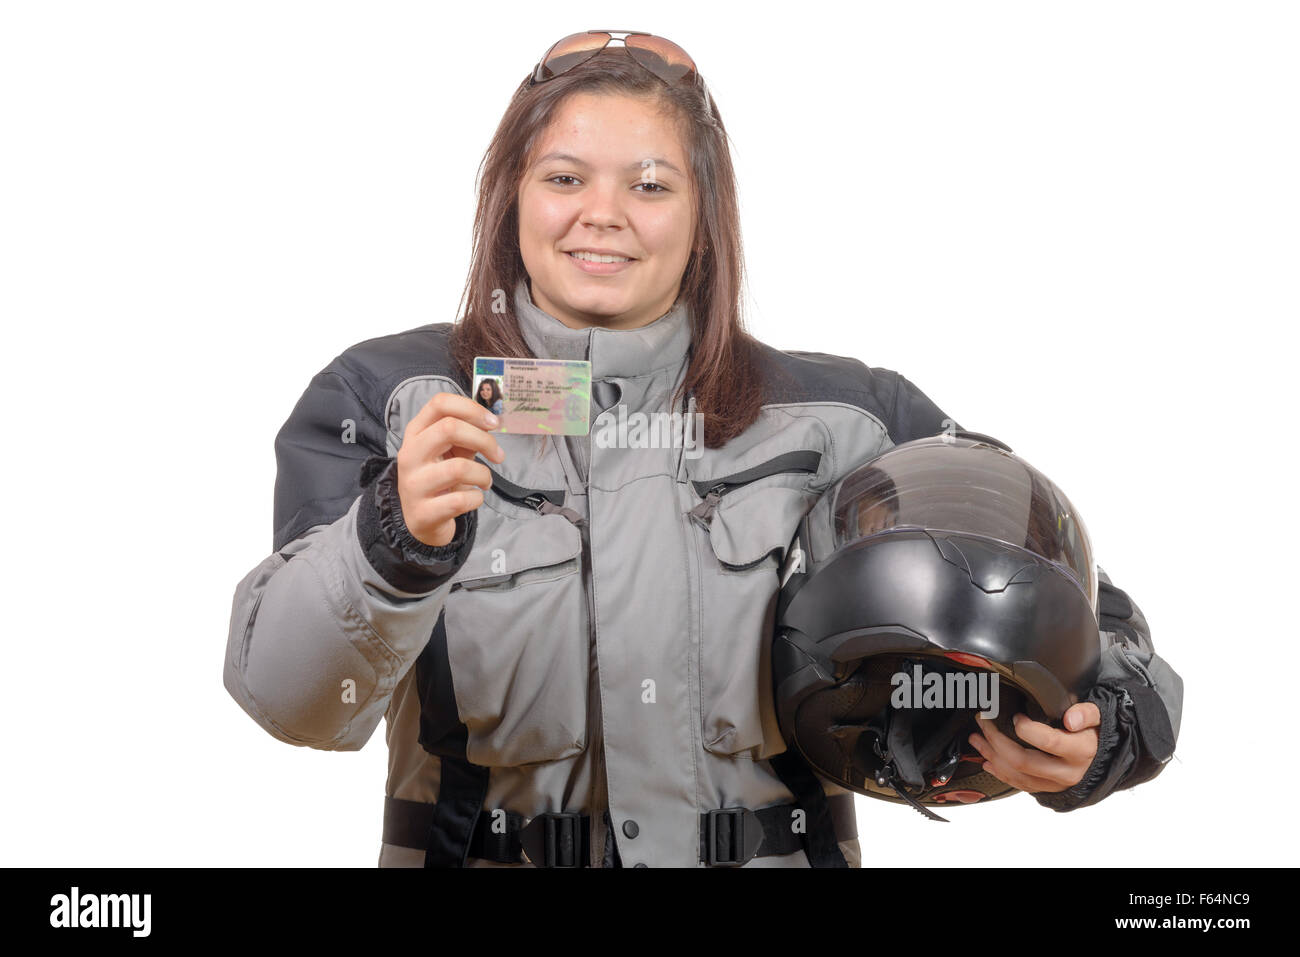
(568, 638)
(489, 396)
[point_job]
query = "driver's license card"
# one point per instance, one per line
(535, 396)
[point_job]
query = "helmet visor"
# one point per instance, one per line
(958, 484)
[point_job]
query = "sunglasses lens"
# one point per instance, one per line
(661, 57)
(569, 52)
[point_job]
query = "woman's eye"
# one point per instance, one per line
(657, 188)
(562, 176)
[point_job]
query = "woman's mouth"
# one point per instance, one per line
(599, 264)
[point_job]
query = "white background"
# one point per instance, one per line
(1073, 225)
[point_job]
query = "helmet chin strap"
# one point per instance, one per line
(887, 779)
(903, 765)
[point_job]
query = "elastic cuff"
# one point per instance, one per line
(1108, 702)
(403, 560)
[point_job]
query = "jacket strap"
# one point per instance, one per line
(551, 839)
(733, 836)
(728, 836)
(460, 799)
(819, 840)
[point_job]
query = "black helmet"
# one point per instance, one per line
(942, 567)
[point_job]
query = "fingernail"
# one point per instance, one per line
(491, 420)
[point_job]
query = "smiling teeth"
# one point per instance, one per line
(595, 258)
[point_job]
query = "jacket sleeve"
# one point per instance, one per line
(1141, 702)
(322, 630)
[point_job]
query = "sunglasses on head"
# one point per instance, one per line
(661, 57)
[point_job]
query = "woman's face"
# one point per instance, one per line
(612, 176)
(485, 390)
(876, 518)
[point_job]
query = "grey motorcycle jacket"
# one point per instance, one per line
(581, 677)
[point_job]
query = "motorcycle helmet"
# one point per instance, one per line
(944, 578)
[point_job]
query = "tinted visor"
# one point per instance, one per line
(959, 484)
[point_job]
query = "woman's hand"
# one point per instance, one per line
(1068, 753)
(437, 477)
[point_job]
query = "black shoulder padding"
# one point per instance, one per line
(906, 412)
(338, 423)
(380, 364)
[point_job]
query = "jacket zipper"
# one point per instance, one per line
(598, 830)
(790, 462)
(528, 498)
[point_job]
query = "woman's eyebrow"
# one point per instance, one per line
(566, 157)
(655, 161)
(650, 160)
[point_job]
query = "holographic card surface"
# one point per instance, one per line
(535, 396)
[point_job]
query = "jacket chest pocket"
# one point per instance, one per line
(517, 644)
(743, 526)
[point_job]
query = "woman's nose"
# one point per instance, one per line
(602, 207)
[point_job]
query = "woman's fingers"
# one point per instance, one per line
(448, 405)
(1033, 770)
(448, 436)
(438, 476)
(996, 763)
(1085, 714)
(1070, 745)
(435, 518)
(435, 477)
(433, 493)
(1021, 781)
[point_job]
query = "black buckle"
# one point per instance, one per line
(743, 830)
(561, 839)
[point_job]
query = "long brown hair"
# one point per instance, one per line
(722, 371)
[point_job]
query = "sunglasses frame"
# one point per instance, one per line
(610, 36)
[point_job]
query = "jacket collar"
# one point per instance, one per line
(613, 353)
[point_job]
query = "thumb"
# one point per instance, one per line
(1082, 715)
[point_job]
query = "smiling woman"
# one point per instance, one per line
(599, 155)
(571, 640)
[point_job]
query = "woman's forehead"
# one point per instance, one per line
(613, 132)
